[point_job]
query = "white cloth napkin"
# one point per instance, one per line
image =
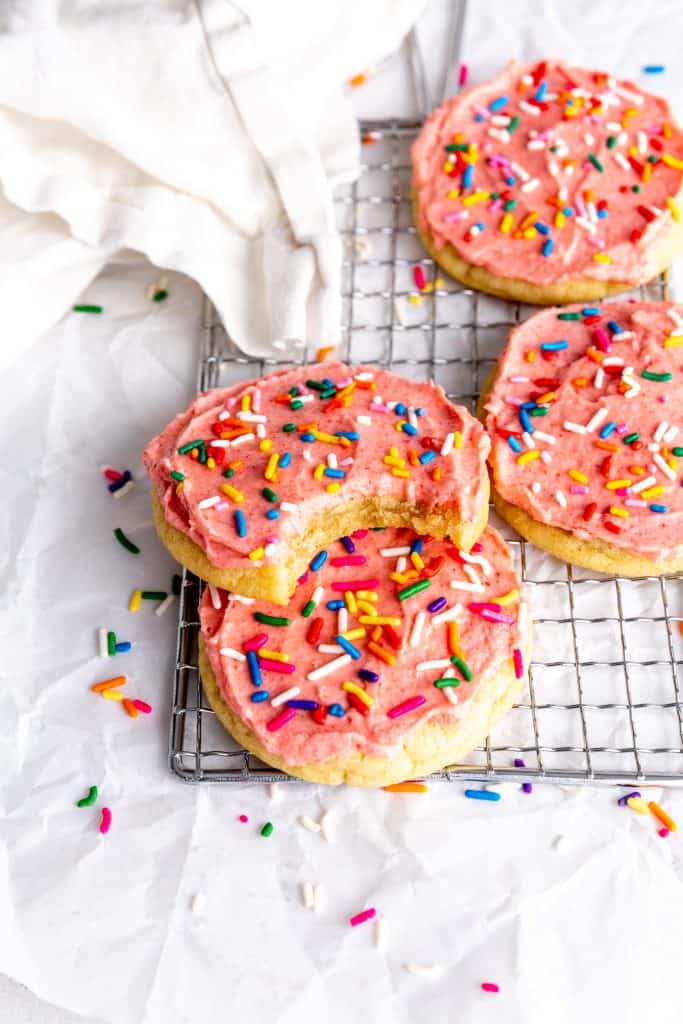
(205, 134)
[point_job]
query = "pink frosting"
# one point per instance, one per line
(488, 632)
(609, 463)
(590, 223)
(452, 477)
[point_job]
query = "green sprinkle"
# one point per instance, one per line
(269, 494)
(414, 588)
(202, 456)
(176, 475)
(90, 799)
(677, 451)
(315, 385)
(661, 377)
(293, 392)
(87, 309)
(111, 644)
(154, 595)
(510, 205)
(227, 473)
(328, 393)
(289, 427)
(160, 295)
(652, 159)
(540, 410)
(127, 544)
(568, 316)
(441, 683)
(596, 163)
(271, 620)
(462, 667)
(630, 438)
(307, 608)
(611, 141)
(635, 188)
(189, 447)
(457, 147)
(267, 829)
(513, 124)
(296, 404)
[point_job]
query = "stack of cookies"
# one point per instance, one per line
(361, 622)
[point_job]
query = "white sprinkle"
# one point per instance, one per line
(575, 428)
(412, 418)
(674, 315)
(215, 596)
(474, 588)
(447, 447)
(519, 171)
(198, 903)
(380, 933)
(548, 438)
(230, 652)
(102, 642)
(309, 823)
(436, 663)
(342, 620)
(596, 420)
(529, 108)
(123, 490)
(528, 440)
(476, 560)
(325, 826)
(614, 361)
(279, 345)
(501, 134)
(561, 499)
(288, 506)
(632, 97)
(209, 502)
(670, 435)
(418, 625)
(307, 893)
(164, 605)
(654, 447)
(329, 648)
(427, 970)
(332, 461)
(642, 143)
(289, 694)
(471, 574)
(529, 186)
(249, 417)
(242, 600)
(329, 667)
(274, 791)
(588, 139)
(365, 421)
(546, 457)
(220, 444)
(393, 552)
(536, 487)
(402, 564)
(621, 160)
(448, 615)
(261, 430)
(536, 144)
(599, 378)
(665, 468)
(242, 440)
(449, 691)
(317, 595)
(660, 431)
(586, 225)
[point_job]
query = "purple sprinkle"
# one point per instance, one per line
(436, 605)
(348, 544)
(527, 787)
(519, 763)
(623, 800)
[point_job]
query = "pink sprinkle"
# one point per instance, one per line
(285, 716)
(419, 277)
(365, 915)
(663, 832)
(355, 584)
(602, 340)
(622, 428)
(622, 492)
(143, 706)
(662, 398)
(495, 205)
(455, 215)
(485, 613)
(256, 642)
(578, 489)
(243, 818)
(221, 505)
(478, 606)
(348, 560)
(462, 75)
(285, 667)
(359, 534)
(519, 663)
(303, 578)
(105, 823)
(635, 503)
(405, 706)
(379, 407)
(477, 547)
(490, 986)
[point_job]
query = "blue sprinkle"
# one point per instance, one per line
(525, 421)
(554, 346)
(302, 705)
(273, 513)
(118, 484)
(480, 225)
(285, 460)
(416, 546)
(348, 544)
(123, 646)
(408, 428)
(607, 429)
(511, 180)
(419, 411)
(337, 474)
(328, 383)
(367, 676)
(426, 457)
(542, 228)
(590, 311)
(478, 117)
(254, 668)
(240, 523)
(568, 211)
(654, 69)
(318, 561)
(614, 327)
(352, 435)
(436, 605)
(337, 710)
(541, 91)
(653, 508)
(498, 104)
(467, 176)
(335, 605)
(602, 214)
(347, 646)
(482, 794)
(548, 246)
(514, 443)
(307, 437)
(400, 409)
(260, 696)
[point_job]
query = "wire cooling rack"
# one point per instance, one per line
(604, 698)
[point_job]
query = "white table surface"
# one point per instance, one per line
(572, 905)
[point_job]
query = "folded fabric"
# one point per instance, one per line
(206, 135)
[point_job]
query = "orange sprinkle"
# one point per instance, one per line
(454, 640)
(130, 707)
(381, 652)
(593, 354)
(406, 787)
(607, 447)
(108, 684)
(530, 356)
(580, 382)
(660, 813)
(322, 353)
(436, 474)
(357, 80)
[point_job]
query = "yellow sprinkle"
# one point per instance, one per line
(476, 197)
(673, 341)
(399, 425)
(333, 487)
(602, 257)
(506, 223)
(647, 172)
(232, 493)
(415, 300)
(265, 445)
(379, 620)
(327, 438)
(270, 469)
(447, 168)
(273, 655)
(401, 472)
(319, 471)
(675, 212)
(546, 399)
(616, 485)
(530, 356)
(577, 475)
(351, 602)
(652, 492)
(403, 577)
(417, 561)
(672, 161)
(457, 439)
(210, 463)
(528, 457)
(439, 283)
(454, 193)
(615, 510)
(354, 634)
(367, 595)
(245, 402)
(530, 232)
(180, 487)
(111, 694)
(509, 598)
(359, 692)
(135, 599)
(257, 554)
(364, 606)
(393, 460)
(560, 219)
(636, 803)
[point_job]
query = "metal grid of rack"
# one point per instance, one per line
(604, 701)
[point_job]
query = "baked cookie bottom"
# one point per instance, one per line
(275, 581)
(594, 554)
(563, 293)
(429, 748)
